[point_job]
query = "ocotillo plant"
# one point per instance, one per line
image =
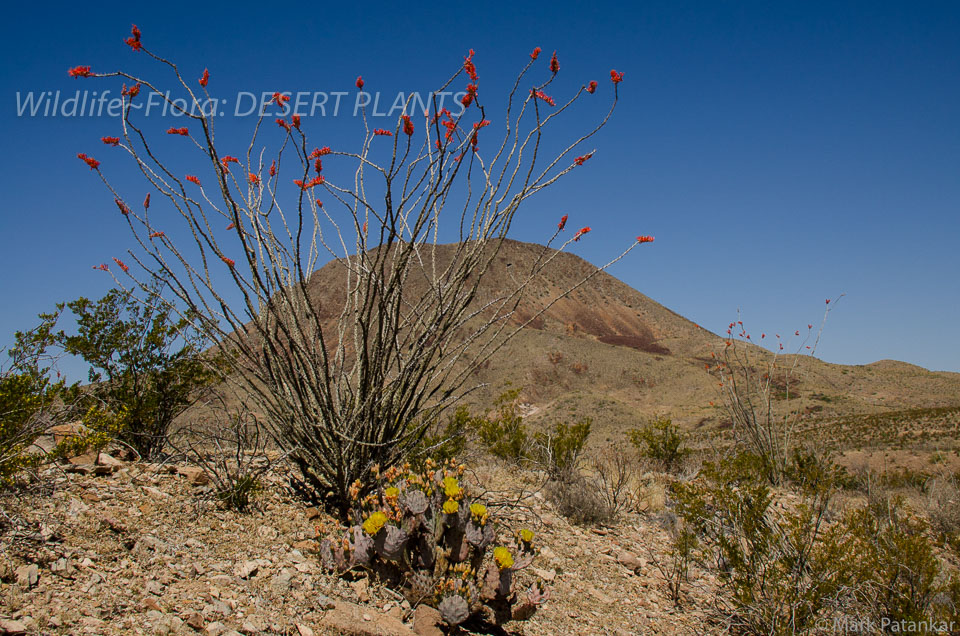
(346, 387)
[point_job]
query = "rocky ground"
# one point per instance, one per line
(113, 547)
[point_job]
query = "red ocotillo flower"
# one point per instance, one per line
(229, 261)
(563, 222)
(134, 40)
(535, 54)
(90, 161)
(582, 159)
(469, 66)
(79, 71)
(591, 87)
(295, 121)
(102, 267)
(273, 168)
(157, 235)
(644, 239)
(124, 209)
(407, 125)
(231, 226)
(146, 202)
(178, 131)
(364, 227)
(325, 151)
(204, 78)
(543, 96)
(111, 141)
(554, 64)
(228, 160)
(319, 203)
(828, 301)
(193, 179)
(470, 96)
(131, 92)
(581, 232)
(280, 99)
(615, 77)
(120, 264)
(360, 82)
(382, 132)
(254, 179)
(283, 124)
(318, 165)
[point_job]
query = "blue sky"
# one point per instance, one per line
(781, 153)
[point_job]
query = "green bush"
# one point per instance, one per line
(660, 441)
(559, 450)
(142, 361)
(782, 568)
(502, 432)
(445, 442)
(423, 533)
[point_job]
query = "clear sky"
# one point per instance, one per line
(781, 153)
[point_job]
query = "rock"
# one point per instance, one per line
(196, 621)
(87, 459)
(156, 493)
(63, 432)
(312, 513)
(28, 575)
(348, 617)
(360, 587)
(252, 626)
(546, 575)
(152, 604)
(106, 460)
(167, 625)
(303, 630)
(427, 621)
(153, 587)
(194, 475)
(600, 596)
(215, 628)
(246, 569)
(631, 561)
(323, 602)
(12, 627)
(61, 567)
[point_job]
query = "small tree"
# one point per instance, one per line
(143, 362)
(350, 385)
(660, 441)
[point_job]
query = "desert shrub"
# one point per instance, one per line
(683, 552)
(344, 388)
(943, 508)
(446, 441)
(502, 432)
(423, 533)
(751, 381)
(579, 499)
(32, 402)
(613, 471)
(559, 449)
(143, 361)
(229, 445)
(782, 567)
(900, 576)
(660, 441)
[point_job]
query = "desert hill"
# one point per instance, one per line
(608, 351)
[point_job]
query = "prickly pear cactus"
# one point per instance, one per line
(424, 533)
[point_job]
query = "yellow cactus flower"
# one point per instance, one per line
(503, 557)
(391, 493)
(451, 506)
(526, 535)
(374, 523)
(478, 511)
(451, 487)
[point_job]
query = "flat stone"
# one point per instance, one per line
(12, 627)
(28, 575)
(427, 621)
(246, 569)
